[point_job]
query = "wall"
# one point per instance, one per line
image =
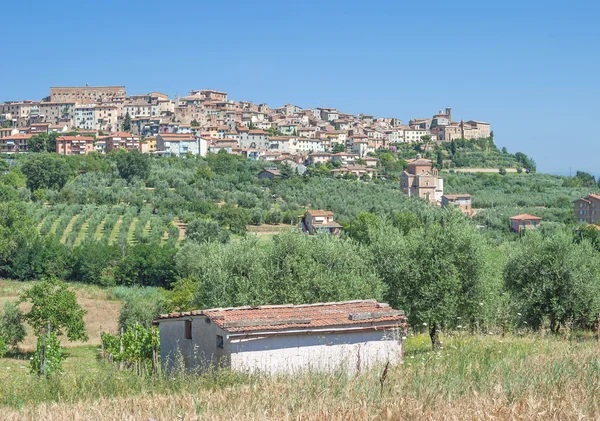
(325, 352)
(198, 353)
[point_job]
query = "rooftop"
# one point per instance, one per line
(303, 316)
(525, 217)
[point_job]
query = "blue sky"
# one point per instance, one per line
(529, 68)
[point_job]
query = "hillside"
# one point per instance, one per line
(480, 153)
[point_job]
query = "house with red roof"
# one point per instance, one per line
(348, 335)
(524, 222)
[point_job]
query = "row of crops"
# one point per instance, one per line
(120, 225)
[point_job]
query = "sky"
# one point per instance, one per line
(530, 68)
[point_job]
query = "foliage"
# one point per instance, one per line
(134, 347)
(146, 265)
(2, 347)
(126, 126)
(201, 230)
(43, 142)
(140, 307)
(48, 357)
(132, 164)
(55, 305)
(46, 171)
(435, 273)
(554, 279)
(12, 330)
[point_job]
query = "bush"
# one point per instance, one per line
(141, 306)
(12, 329)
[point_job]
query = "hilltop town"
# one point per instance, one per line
(208, 121)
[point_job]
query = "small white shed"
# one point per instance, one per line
(351, 335)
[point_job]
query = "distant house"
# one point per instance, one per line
(169, 144)
(463, 201)
(270, 173)
(318, 158)
(326, 337)
(524, 221)
(587, 209)
(318, 221)
(357, 170)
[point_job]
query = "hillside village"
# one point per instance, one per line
(105, 118)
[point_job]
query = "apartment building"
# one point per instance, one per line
(587, 209)
(74, 145)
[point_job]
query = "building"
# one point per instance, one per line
(318, 158)
(86, 94)
(74, 145)
(170, 144)
(350, 335)
(318, 221)
(587, 209)
(122, 140)
(357, 170)
(269, 173)
(463, 201)
(524, 221)
(14, 144)
(421, 180)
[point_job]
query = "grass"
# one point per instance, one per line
(102, 310)
(473, 377)
(115, 231)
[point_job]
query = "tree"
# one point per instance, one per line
(272, 131)
(364, 226)
(45, 171)
(140, 307)
(132, 164)
(11, 324)
(201, 230)
(126, 123)
(43, 142)
(434, 273)
(54, 305)
(554, 279)
(339, 147)
(195, 123)
(7, 124)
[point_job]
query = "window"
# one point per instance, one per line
(188, 329)
(219, 341)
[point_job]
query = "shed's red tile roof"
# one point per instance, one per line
(304, 316)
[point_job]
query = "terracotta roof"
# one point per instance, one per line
(121, 134)
(16, 137)
(319, 213)
(525, 217)
(594, 196)
(75, 138)
(456, 196)
(299, 317)
(274, 172)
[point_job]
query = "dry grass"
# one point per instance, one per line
(102, 314)
(472, 378)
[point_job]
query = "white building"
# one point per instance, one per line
(169, 144)
(284, 338)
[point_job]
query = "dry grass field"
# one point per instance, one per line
(472, 378)
(102, 313)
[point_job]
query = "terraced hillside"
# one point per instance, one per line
(74, 224)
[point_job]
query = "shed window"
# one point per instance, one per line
(188, 329)
(219, 341)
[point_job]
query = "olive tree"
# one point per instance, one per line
(554, 279)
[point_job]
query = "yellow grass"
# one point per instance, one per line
(472, 378)
(102, 314)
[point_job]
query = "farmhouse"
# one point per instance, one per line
(524, 222)
(270, 173)
(348, 335)
(463, 201)
(318, 221)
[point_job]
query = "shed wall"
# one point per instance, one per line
(320, 352)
